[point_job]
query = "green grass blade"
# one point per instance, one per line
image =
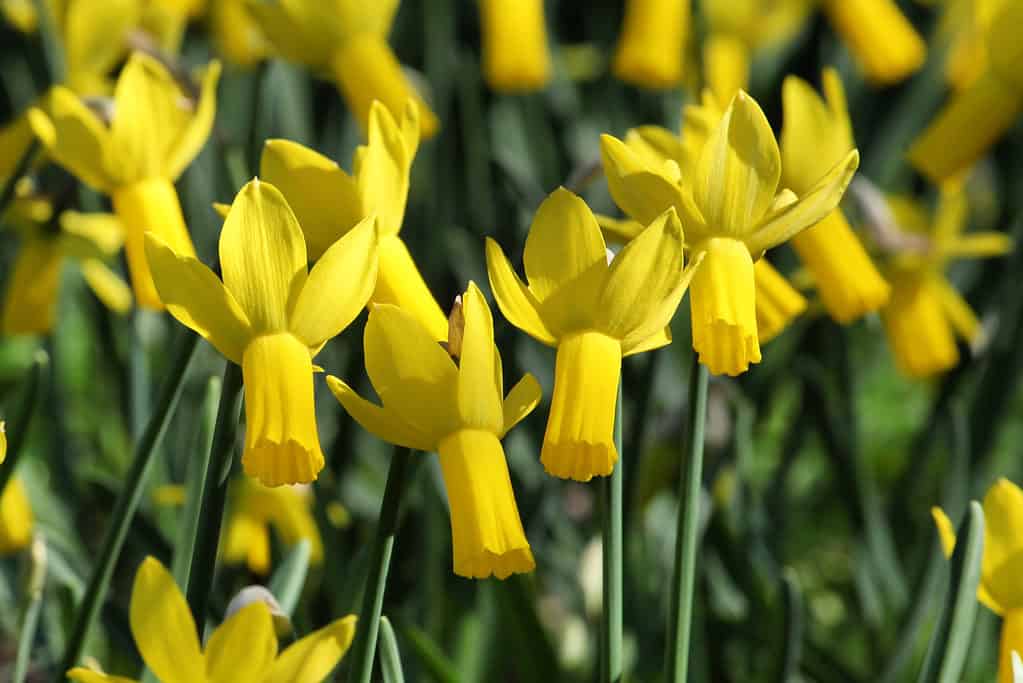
(390, 657)
(289, 578)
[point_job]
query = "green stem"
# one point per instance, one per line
(364, 649)
(128, 502)
(611, 537)
(30, 618)
(686, 542)
(214, 496)
(17, 428)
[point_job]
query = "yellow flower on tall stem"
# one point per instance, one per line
(329, 202)
(594, 313)
(515, 53)
(1000, 568)
(650, 49)
(242, 648)
(733, 212)
(432, 402)
(154, 132)
(817, 134)
(270, 315)
(348, 40)
(880, 37)
(925, 312)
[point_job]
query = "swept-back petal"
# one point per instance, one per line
(243, 647)
(310, 659)
(520, 401)
(813, 138)
(75, 138)
(639, 189)
(107, 285)
(564, 242)
(382, 169)
(198, 125)
(479, 399)
(516, 302)
(95, 39)
(163, 627)
(380, 422)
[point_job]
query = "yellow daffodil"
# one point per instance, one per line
(16, 520)
(432, 402)
(167, 20)
(89, 240)
(594, 313)
(236, 33)
(348, 40)
(1000, 568)
(817, 134)
(733, 212)
(243, 648)
(153, 134)
(515, 56)
(328, 203)
(270, 315)
(650, 48)
(778, 302)
(3, 441)
(925, 312)
(977, 116)
(254, 509)
(964, 26)
(880, 37)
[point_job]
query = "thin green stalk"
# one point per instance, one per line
(214, 496)
(611, 537)
(686, 542)
(24, 163)
(128, 501)
(17, 427)
(30, 618)
(364, 649)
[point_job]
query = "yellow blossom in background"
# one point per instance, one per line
(328, 203)
(167, 20)
(515, 53)
(817, 134)
(733, 212)
(925, 312)
(348, 40)
(16, 519)
(879, 36)
(3, 441)
(153, 134)
(650, 49)
(236, 33)
(254, 509)
(270, 315)
(981, 113)
(594, 313)
(457, 408)
(1001, 565)
(242, 648)
(964, 26)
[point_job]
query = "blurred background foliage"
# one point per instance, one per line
(819, 560)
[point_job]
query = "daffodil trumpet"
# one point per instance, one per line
(778, 302)
(650, 50)
(880, 37)
(514, 38)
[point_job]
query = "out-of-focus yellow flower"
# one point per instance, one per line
(650, 49)
(515, 55)
(236, 33)
(254, 509)
(328, 203)
(3, 441)
(154, 133)
(880, 37)
(816, 135)
(167, 20)
(270, 315)
(925, 312)
(243, 648)
(347, 39)
(1000, 568)
(89, 240)
(594, 313)
(16, 518)
(979, 114)
(964, 26)
(458, 409)
(733, 212)
(778, 302)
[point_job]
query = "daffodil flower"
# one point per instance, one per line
(270, 315)
(815, 137)
(594, 313)
(243, 648)
(236, 33)
(925, 312)
(255, 508)
(515, 56)
(432, 403)
(153, 135)
(650, 50)
(733, 212)
(16, 519)
(999, 589)
(964, 27)
(880, 37)
(348, 40)
(167, 20)
(328, 203)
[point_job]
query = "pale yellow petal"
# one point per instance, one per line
(640, 190)
(75, 138)
(107, 285)
(520, 402)
(163, 627)
(243, 647)
(564, 242)
(516, 302)
(379, 421)
(479, 398)
(95, 39)
(1003, 544)
(313, 657)
(191, 138)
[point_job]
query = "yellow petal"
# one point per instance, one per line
(618, 230)
(247, 540)
(726, 62)
(198, 299)
(16, 518)
(655, 144)
(777, 301)
(380, 422)
(1003, 544)
(338, 286)
(658, 339)
(649, 51)
(486, 532)
(516, 302)
(383, 165)
(324, 198)
(192, 137)
(479, 394)
(947, 534)
(104, 230)
(262, 254)
(289, 510)
(917, 329)
(514, 37)
(243, 647)
(816, 134)
(880, 37)
(76, 139)
(400, 283)
(30, 302)
(979, 245)
(107, 286)
(519, 402)
(959, 313)
(15, 139)
(300, 31)
(639, 190)
(313, 657)
(163, 627)
(95, 38)
(3, 441)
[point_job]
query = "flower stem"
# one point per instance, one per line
(128, 501)
(686, 542)
(611, 537)
(364, 649)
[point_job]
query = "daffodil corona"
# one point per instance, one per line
(879, 36)
(270, 315)
(594, 313)
(650, 49)
(515, 54)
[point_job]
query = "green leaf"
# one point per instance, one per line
(390, 658)
(286, 583)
